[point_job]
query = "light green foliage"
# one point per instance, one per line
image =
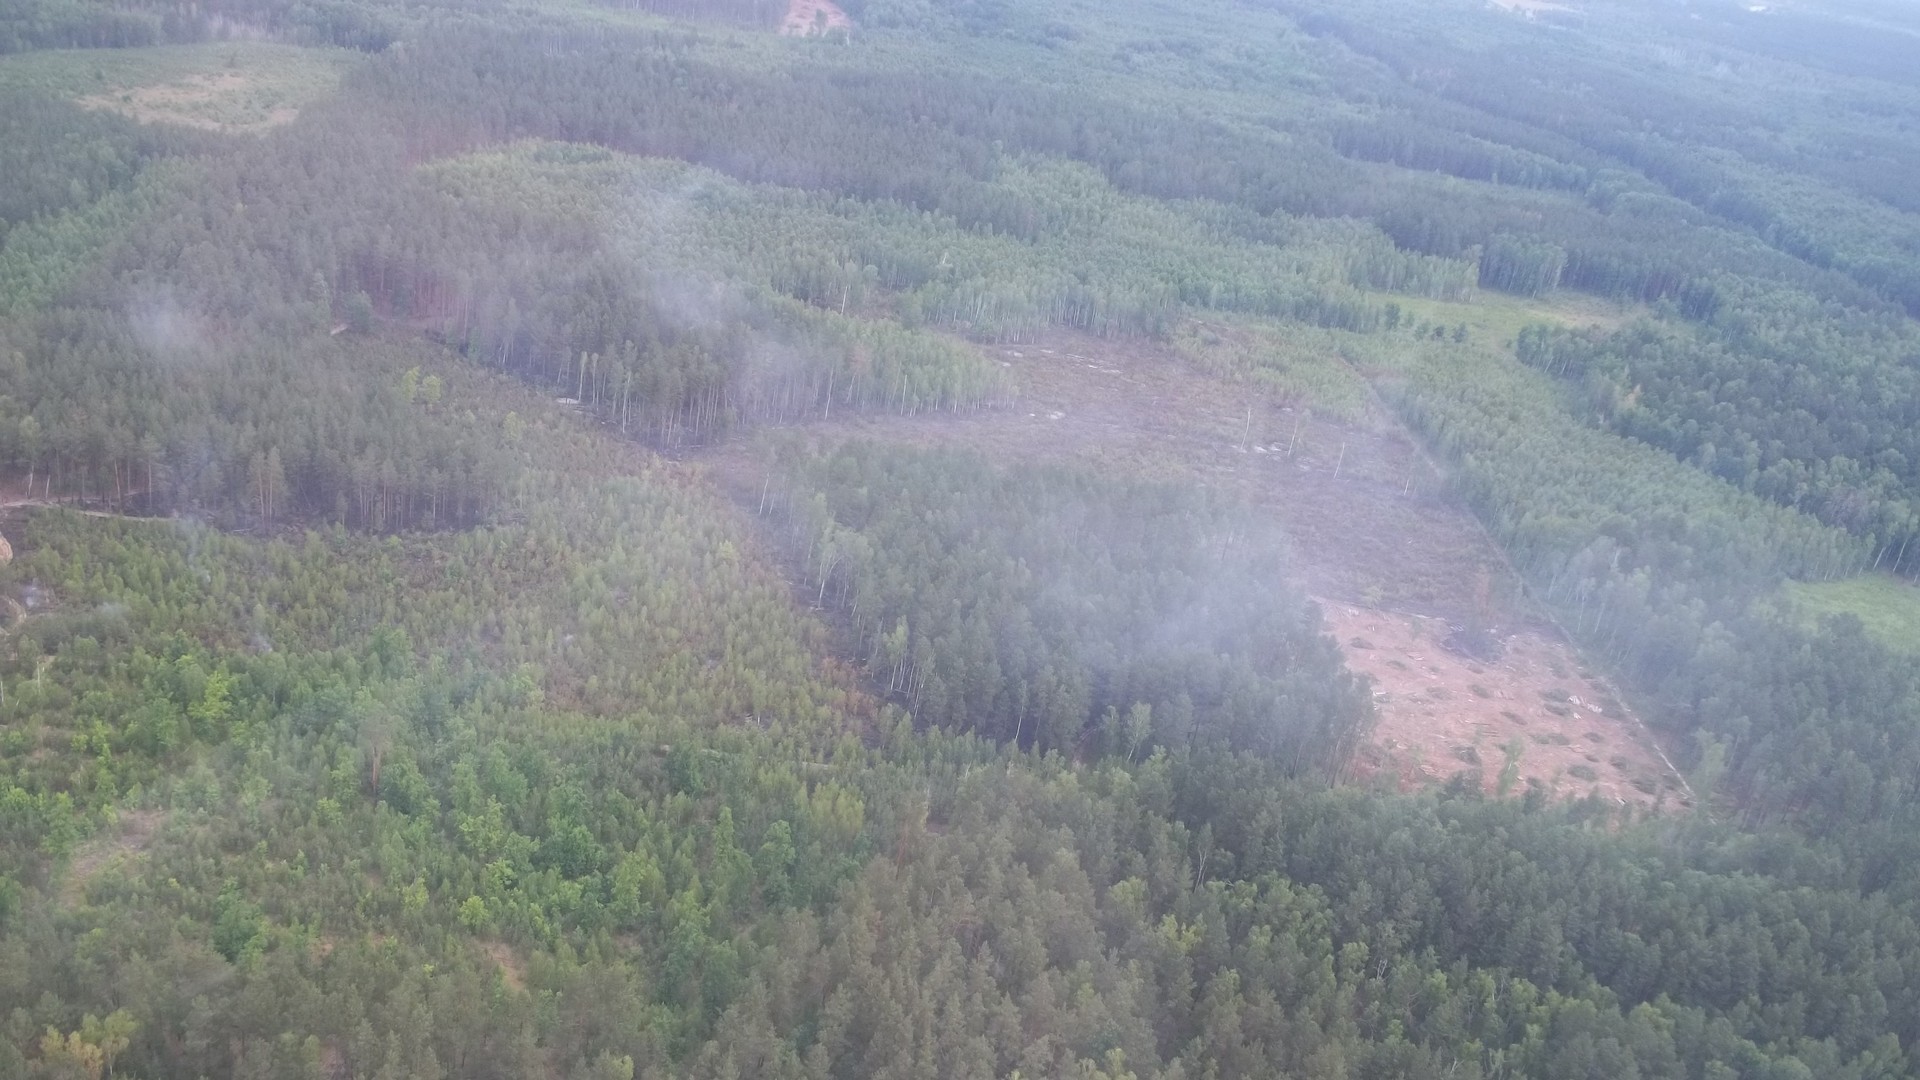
(1293, 364)
(1498, 318)
(1888, 607)
(1510, 755)
(1546, 484)
(41, 257)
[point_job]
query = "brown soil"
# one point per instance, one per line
(806, 18)
(134, 834)
(1442, 713)
(333, 1061)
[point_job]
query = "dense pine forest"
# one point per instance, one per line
(641, 539)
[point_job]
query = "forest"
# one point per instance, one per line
(560, 539)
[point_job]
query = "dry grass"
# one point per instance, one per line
(513, 970)
(1441, 713)
(217, 102)
(238, 87)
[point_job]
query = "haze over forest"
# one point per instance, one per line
(959, 539)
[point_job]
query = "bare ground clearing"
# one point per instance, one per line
(1372, 529)
(808, 17)
(1442, 713)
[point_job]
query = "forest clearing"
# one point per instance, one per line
(1441, 713)
(1888, 606)
(241, 87)
(806, 18)
(1370, 529)
(228, 101)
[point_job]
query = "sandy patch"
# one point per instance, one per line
(1442, 713)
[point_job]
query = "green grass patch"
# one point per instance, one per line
(1498, 317)
(237, 86)
(1888, 607)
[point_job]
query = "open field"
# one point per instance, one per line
(1887, 606)
(235, 86)
(1499, 317)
